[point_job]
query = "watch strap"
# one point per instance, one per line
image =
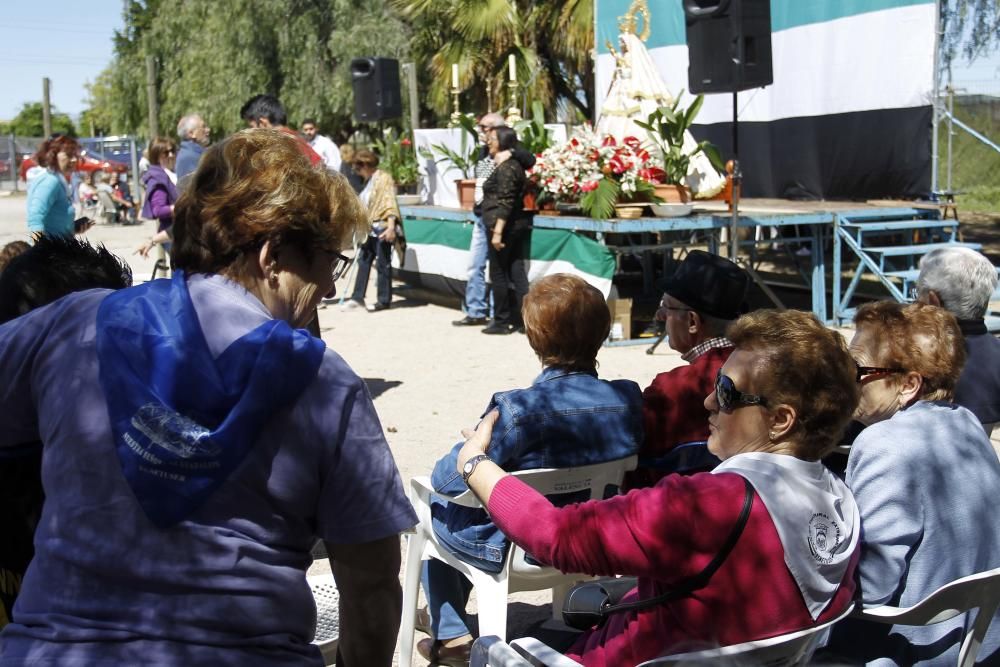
(471, 465)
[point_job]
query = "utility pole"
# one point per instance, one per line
(154, 107)
(46, 109)
(411, 90)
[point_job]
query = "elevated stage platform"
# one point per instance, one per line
(842, 246)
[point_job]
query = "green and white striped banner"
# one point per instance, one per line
(441, 248)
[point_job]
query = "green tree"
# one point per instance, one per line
(28, 122)
(98, 118)
(970, 28)
(552, 41)
(213, 55)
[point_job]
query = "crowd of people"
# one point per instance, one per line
(222, 440)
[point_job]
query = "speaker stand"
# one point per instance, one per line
(734, 241)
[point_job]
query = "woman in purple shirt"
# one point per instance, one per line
(160, 182)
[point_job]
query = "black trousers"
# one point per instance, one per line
(509, 276)
(374, 249)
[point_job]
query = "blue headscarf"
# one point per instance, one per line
(181, 420)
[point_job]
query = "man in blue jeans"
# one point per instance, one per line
(478, 301)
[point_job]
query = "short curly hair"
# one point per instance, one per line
(566, 321)
(257, 186)
(803, 364)
(917, 337)
(47, 154)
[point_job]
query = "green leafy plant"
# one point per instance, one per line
(532, 133)
(397, 157)
(666, 127)
(466, 157)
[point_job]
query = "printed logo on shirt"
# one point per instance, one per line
(174, 432)
(824, 538)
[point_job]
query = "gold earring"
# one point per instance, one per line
(771, 436)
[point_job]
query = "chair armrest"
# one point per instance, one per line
(539, 654)
(423, 491)
(491, 651)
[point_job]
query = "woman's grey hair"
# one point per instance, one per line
(963, 279)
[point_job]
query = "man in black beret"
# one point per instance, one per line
(700, 300)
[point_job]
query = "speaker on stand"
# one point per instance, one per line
(375, 82)
(729, 50)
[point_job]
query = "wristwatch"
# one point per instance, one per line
(470, 466)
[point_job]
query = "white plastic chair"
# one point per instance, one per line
(327, 597)
(794, 648)
(517, 574)
(977, 591)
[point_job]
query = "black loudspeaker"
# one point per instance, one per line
(376, 89)
(721, 31)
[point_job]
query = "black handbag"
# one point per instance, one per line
(590, 603)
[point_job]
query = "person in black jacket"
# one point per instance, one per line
(477, 298)
(509, 227)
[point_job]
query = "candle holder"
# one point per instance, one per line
(455, 113)
(513, 113)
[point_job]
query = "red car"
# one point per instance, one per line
(85, 163)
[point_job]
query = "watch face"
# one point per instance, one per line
(468, 467)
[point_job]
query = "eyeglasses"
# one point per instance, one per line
(865, 371)
(730, 398)
(340, 265)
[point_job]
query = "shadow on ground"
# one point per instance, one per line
(378, 386)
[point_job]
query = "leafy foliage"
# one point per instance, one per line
(552, 41)
(970, 28)
(533, 134)
(666, 127)
(28, 122)
(465, 158)
(397, 157)
(213, 55)
(600, 202)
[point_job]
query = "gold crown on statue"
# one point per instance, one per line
(630, 22)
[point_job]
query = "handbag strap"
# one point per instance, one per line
(701, 579)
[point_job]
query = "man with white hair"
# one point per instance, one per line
(193, 133)
(962, 281)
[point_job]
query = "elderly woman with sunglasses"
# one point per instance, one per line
(925, 478)
(197, 442)
(780, 403)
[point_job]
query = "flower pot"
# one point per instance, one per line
(672, 194)
(466, 188)
(530, 201)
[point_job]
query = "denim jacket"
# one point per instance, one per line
(565, 418)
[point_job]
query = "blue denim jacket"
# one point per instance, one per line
(565, 418)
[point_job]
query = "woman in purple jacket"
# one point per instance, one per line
(160, 183)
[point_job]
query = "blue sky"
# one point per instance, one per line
(70, 41)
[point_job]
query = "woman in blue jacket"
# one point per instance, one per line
(50, 206)
(567, 417)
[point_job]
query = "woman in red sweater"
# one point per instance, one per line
(780, 403)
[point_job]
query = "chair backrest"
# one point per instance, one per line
(595, 479)
(327, 598)
(794, 648)
(979, 591)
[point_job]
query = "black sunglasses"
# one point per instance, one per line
(340, 265)
(730, 398)
(864, 371)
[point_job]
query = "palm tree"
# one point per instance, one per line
(551, 40)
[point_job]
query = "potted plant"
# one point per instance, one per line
(464, 160)
(399, 160)
(667, 127)
(597, 172)
(536, 138)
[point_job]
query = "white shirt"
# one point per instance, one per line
(327, 150)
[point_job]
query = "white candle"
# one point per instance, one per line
(454, 76)
(512, 66)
